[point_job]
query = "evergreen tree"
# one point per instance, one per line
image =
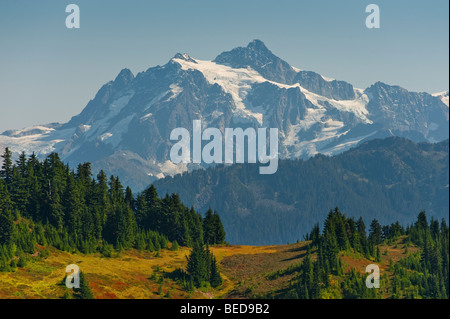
(216, 278)
(7, 167)
(361, 229)
(50, 204)
(209, 228)
(375, 232)
(6, 218)
(218, 229)
(84, 292)
(197, 265)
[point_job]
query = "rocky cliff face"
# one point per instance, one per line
(125, 129)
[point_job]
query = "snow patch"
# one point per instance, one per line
(105, 136)
(169, 168)
(327, 78)
(119, 129)
(349, 143)
(443, 96)
(236, 82)
(176, 90)
(146, 116)
(41, 144)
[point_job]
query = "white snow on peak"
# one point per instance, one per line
(443, 96)
(236, 82)
(327, 78)
(32, 130)
(358, 106)
(101, 128)
(48, 141)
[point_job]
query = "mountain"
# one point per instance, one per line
(443, 96)
(385, 179)
(125, 129)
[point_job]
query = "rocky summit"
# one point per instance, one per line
(126, 128)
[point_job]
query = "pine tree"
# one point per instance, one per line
(361, 228)
(216, 278)
(6, 171)
(378, 255)
(125, 227)
(84, 292)
(129, 199)
(219, 229)
(375, 232)
(151, 218)
(6, 218)
(74, 208)
(196, 265)
(209, 228)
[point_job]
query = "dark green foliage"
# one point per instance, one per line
(197, 266)
(50, 204)
(202, 267)
(175, 246)
(170, 217)
(215, 277)
(23, 260)
(7, 167)
(386, 180)
(423, 274)
(45, 253)
(106, 250)
(6, 218)
(354, 287)
(213, 231)
(84, 292)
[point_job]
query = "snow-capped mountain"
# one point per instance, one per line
(125, 129)
(443, 96)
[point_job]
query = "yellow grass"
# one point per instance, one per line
(244, 271)
(123, 277)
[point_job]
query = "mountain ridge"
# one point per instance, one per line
(384, 179)
(125, 128)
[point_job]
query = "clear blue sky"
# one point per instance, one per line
(48, 73)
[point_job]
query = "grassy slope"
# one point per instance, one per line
(136, 274)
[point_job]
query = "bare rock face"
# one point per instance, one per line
(126, 128)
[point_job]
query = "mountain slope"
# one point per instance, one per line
(126, 127)
(386, 179)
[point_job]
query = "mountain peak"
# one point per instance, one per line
(184, 57)
(257, 45)
(255, 53)
(124, 78)
(258, 57)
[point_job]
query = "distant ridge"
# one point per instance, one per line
(385, 179)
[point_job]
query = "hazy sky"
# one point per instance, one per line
(48, 73)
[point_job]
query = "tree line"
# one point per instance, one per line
(48, 203)
(384, 179)
(423, 274)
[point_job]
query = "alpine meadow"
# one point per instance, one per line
(224, 158)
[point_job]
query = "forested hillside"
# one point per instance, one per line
(422, 274)
(387, 179)
(48, 204)
(48, 210)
